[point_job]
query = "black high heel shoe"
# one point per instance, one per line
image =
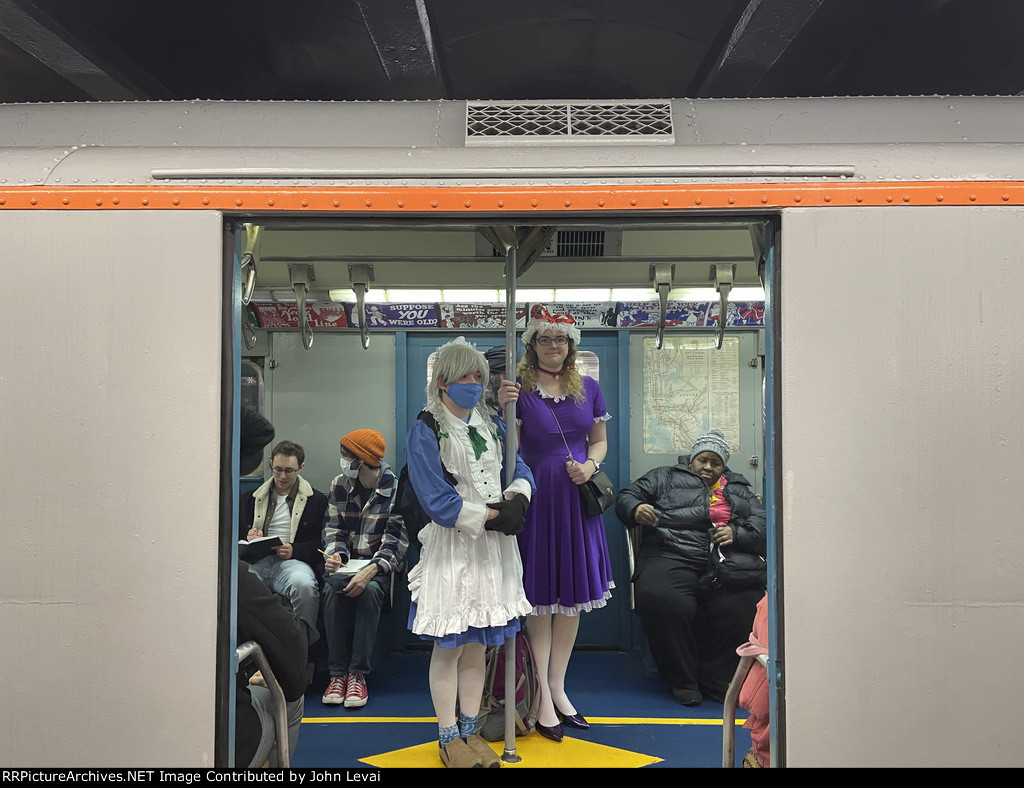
(572, 720)
(554, 733)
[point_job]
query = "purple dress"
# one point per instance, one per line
(566, 568)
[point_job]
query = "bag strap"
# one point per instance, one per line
(428, 418)
(567, 449)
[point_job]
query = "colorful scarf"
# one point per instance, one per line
(720, 509)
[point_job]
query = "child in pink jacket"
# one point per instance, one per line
(754, 692)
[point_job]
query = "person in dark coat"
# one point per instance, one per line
(267, 619)
(700, 569)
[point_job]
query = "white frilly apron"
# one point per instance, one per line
(467, 576)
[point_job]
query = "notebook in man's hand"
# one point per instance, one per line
(253, 551)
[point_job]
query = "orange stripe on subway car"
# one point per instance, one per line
(424, 199)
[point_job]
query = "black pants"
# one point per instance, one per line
(693, 632)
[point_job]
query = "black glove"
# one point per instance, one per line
(510, 515)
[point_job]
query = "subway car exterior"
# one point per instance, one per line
(887, 233)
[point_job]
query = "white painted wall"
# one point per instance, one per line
(902, 469)
(109, 423)
(316, 396)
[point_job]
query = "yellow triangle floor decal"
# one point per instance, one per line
(533, 750)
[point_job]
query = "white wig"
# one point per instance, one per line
(541, 320)
(453, 361)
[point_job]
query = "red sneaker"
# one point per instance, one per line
(356, 694)
(335, 693)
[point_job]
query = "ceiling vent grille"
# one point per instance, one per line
(565, 244)
(577, 243)
(547, 123)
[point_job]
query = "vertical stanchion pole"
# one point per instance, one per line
(511, 447)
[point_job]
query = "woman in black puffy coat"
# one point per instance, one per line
(700, 569)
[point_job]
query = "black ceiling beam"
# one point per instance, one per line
(400, 31)
(762, 34)
(33, 31)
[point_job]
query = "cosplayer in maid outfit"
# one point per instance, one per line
(467, 588)
(563, 438)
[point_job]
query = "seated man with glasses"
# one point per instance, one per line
(287, 506)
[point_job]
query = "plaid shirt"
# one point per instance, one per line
(370, 531)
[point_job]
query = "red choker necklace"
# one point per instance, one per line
(555, 375)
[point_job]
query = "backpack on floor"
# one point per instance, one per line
(491, 723)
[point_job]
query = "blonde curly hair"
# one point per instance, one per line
(526, 370)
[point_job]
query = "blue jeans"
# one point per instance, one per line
(294, 580)
(351, 623)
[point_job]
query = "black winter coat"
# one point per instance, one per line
(265, 617)
(683, 499)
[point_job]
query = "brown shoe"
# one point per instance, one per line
(487, 757)
(456, 754)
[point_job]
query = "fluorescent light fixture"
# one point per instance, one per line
(348, 296)
(710, 294)
(563, 294)
(472, 296)
(633, 294)
(746, 294)
(401, 296)
(529, 296)
(533, 296)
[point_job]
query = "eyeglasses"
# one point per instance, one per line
(561, 339)
(286, 471)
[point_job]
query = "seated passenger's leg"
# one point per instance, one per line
(367, 618)
(295, 580)
(339, 622)
(728, 616)
(666, 601)
(294, 714)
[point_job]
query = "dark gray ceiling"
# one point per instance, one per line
(74, 50)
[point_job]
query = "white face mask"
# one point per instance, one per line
(348, 470)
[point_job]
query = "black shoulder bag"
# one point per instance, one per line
(597, 494)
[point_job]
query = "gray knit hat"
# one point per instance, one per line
(712, 440)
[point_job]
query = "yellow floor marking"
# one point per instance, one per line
(593, 720)
(369, 719)
(534, 751)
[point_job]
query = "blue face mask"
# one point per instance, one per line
(465, 395)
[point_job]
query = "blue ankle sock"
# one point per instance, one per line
(467, 725)
(445, 735)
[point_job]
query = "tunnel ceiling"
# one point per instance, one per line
(69, 50)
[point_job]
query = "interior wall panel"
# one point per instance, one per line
(901, 470)
(110, 384)
(320, 394)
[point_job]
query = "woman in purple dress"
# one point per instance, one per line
(563, 439)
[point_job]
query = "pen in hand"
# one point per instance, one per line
(329, 556)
